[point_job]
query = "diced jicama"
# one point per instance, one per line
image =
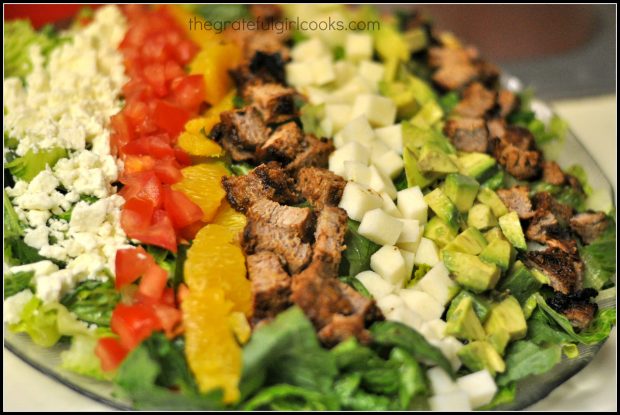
(389, 303)
(440, 381)
(358, 199)
(450, 347)
(380, 111)
(322, 70)
(422, 303)
(409, 258)
(438, 284)
(390, 207)
(358, 46)
(427, 252)
(372, 72)
(309, 50)
(410, 232)
(381, 183)
(339, 114)
(351, 151)
(434, 329)
(389, 163)
(479, 387)
(345, 71)
(298, 75)
(411, 204)
(406, 316)
(377, 149)
(390, 264)
(358, 129)
(455, 401)
(357, 172)
(376, 286)
(380, 228)
(392, 136)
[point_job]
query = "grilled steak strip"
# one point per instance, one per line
(552, 173)
(283, 144)
(476, 101)
(565, 272)
(514, 152)
(517, 198)
(320, 187)
(589, 225)
(271, 285)
(576, 306)
(468, 134)
(313, 153)
(299, 220)
(275, 102)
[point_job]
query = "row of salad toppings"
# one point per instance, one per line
(57, 121)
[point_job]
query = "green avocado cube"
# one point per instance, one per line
(470, 271)
(462, 190)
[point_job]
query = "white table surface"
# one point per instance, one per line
(594, 389)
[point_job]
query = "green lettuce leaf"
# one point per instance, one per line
(356, 258)
(92, 301)
(148, 373)
(599, 259)
(504, 395)
(14, 283)
(81, 359)
(39, 322)
(30, 164)
(525, 358)
(12, 226)
(290, 398)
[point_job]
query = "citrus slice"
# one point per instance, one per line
(202, 184)
(199, 145)
(230, 218)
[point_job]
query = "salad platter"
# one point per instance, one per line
(293, 220)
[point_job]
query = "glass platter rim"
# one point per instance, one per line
(509, 82)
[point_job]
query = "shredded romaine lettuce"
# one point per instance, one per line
(92, 301)
(30, 164)
(356, 258)
(599, 258)
(81, 359)
(525, 358)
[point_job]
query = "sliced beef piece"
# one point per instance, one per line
(263, 236)
(552, 173)
(331, 227)
(575, 306)
(271, 285)
(574, 182)
(468, 134)
(283, 143)
(507, 102)
(517, 198)
(589, 225)
(299, 220)
(546, 229)
(253, 41)
(565, 271)
(275, 102)
(476, 101)
(243, 128)
(443, 56)
(488, 73)
(220, 133)
(263, 67)
(496, 127)
(522, 164)
(454, 77)
(265, 181)
(313, 153)
(337, 311)
(545, 202)
(320, 186)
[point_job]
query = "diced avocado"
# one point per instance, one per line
(507, 316)
(443, 207)
(495, 181)
(414, 176)
(500, 253)
(529, 306)
(493, 234)
(499, 340)
(540, 276)
(492, 200)
(422, 91)
(428, 115)
(462, 190)
(434, 160)
(439, 232)
(402, 95)
(463, 323)
(416, 39)
(481, 217)
(482, 307)
(470, 271)
(415, 137)
(476, 165)
(479, 355)
(470, 241)
(520, 282)
(511, 227)
(390, 43)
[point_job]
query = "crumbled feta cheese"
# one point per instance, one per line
(39, 268)
(37, 237)
(14, 305)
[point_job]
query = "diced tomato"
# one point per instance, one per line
(153, 282)
(136, 164)
(189, 232)
(136, 216)
(110, 352)
(185, 51)
(130, 264)
(143, 185)
(173, 70)
(182, 157)
(160, 232)
(156, 77)
(169, 117)
(168, 171)
(157, 146)
(134, 323)
(169, 317)
(181, 209)
(168, 297)
(182, 292)
(188, 92)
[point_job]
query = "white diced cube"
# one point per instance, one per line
(309, 50)
(390, 264)
(440, 381)
(390, 164)
(380, 111)
(479, 387)
(358, 129)
(372, 72)
(298, 75)
(358, 199)
(316, 96)
(389, 303)
(423, 304)
(427, 252)
(410, 232)
(408, 246)
(357, 172)
(434, 329)
(345, 71)
(406, 316)
(455, 401)
(338, 140)
(438, 284)
(339, 114)
(347, 93)
(358, 46)
(351, 151)
(377, 149)
(381, 183)
(412, 205)
(450, 347)
(379, 227)
(392, 136)
(327, 126)
(322, 70)
(390, 207)
(409, 258)
(376, 286)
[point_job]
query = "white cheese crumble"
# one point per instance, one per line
(68, 104)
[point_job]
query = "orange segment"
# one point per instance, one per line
(202, 184)
(213, 62)
(199, 145)
(230, 218)
(212, 352)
